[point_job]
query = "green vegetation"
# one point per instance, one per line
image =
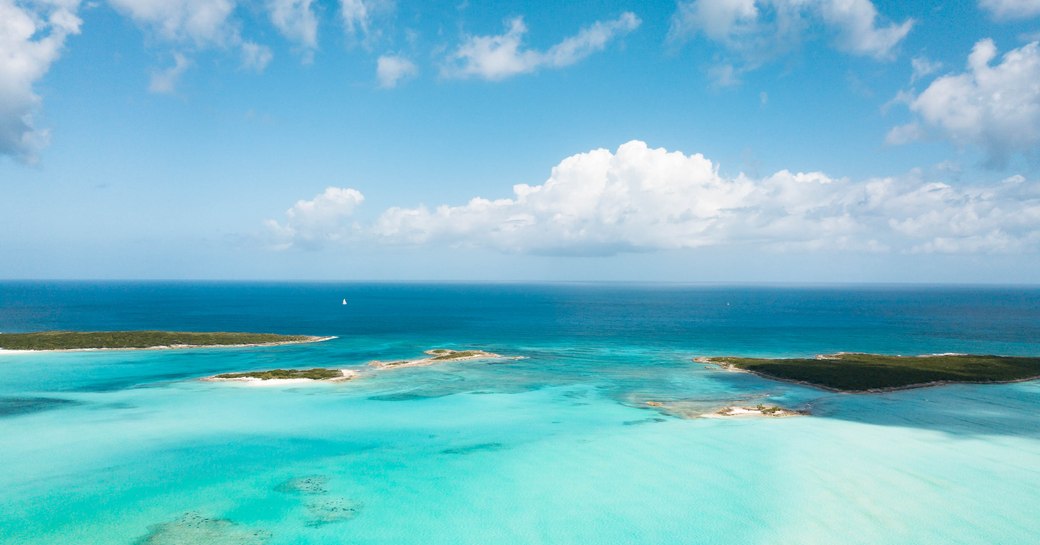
(863, 372)
(316, 373)
(443, 354)
(395, 363)
(436, 355)
(769, 410)
(72, 340)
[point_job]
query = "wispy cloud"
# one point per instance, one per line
(753, 32)
(295, 19)
(501, 56)
(361, 19)
(923, 68)
(392, 69)
(1006, 10)
(201, 23)
(165, 81)
(255, 57)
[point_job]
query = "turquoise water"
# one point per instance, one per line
(559, 447)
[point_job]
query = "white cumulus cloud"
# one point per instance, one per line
(1004, 10)
(323, 219)
(392, 69)
(755, 31)
(638, 199)
(501, 56)
(993, 106)
(32, 36)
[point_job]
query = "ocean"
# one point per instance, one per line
(559, 447)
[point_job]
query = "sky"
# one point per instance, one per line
(785, 141)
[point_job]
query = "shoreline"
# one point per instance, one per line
(308, 340)
(888, 389)
(437, 356)
(688, 410)
(347, 375)
(762, 411)
(285, 376)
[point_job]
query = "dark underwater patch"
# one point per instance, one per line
(407, 396)
(307, 486)
(195, 529)
(642, 421)
(331, 510)
(479, 447)
(16, 406)
(129, 383)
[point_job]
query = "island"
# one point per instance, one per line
(690, 410)
(272, 377)
(142, 340)
(866, 373)
(439, 355)
(284, 376)
(771, 411)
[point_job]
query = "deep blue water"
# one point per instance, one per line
(712, 319)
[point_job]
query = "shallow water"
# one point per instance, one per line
(559, 447)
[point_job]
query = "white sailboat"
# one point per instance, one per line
(344, 301)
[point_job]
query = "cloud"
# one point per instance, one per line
(32, 37)
(923, 68)
(359, 19)
(202, 24)
(1005, 10)
(719, 20)
(858, 31)
(904, 134)
(501, 56)
(391, 69)
(296, 21)
(165, 81)
(199, 22)
(640, 199)
(320, 220)
(757, 31)
(994, 107)
(255, 57)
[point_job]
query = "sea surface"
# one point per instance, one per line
(560, 447)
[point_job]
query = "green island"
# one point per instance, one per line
(130, 340)
(317, 373)
(853, 372)
(442, 354)
(438, 355)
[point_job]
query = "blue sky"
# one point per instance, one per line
(705, 140)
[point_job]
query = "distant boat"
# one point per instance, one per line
(344, 301)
